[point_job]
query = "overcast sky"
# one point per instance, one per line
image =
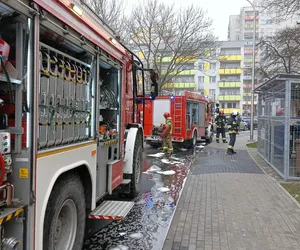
(218, 10)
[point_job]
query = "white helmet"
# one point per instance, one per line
(234, 112)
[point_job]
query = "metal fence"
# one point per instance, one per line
(279, 124)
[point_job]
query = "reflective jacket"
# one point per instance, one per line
(232, 125)
(167, 129)
(221, 121)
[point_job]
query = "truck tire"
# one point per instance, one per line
(192, 142)
(137, 168)
(65, 216)
(155, 145)
(210, 138)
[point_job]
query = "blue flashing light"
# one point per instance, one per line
(172, 97)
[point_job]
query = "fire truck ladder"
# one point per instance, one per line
(178, 114)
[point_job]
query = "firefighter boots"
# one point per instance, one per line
(229, 151)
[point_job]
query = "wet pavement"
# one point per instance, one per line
(146, 226)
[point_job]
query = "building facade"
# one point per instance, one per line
(206, 78)
(241, 27)
(184, 80)
(230, 80)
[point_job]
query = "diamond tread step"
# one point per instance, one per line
(126, 181)
(112, 210)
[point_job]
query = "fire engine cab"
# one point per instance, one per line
(191, 114)
(69, 131)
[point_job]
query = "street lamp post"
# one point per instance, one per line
(253, 71)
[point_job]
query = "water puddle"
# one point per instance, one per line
(145, 227)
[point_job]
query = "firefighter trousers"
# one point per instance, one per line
(221, 131)
(232, 137)
(167, 144)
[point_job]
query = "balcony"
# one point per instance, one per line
(230, 71)
(185, 59)
(179, 85)
(229, 84)
(250, 60)
(250, 26)
(183, 72)
(229, 97)
(230, 58)
(250, 17)
(229, 111)
(249, 52)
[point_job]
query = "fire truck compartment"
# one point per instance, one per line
(159, 108)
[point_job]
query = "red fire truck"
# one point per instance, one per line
(69, 131)
(191, 114)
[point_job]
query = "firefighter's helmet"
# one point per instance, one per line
(166, 115)
(234, 113)
(169, 118)
(221, 112)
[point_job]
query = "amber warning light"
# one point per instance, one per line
(76, 9)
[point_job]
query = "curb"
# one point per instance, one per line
(276, 182)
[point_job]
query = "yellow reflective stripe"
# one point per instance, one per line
(229, 126)
(230, 146)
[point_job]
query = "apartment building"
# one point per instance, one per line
(184, 80)
(241, 27)
(231, 76)
(206, 78)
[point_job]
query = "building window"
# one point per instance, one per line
(200, 79)
(212, 79)
(234, 105)
(229, 105)
(212, 92)
(223, 105)
(213, 66)
(201, 66)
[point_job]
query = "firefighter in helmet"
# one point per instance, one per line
(167, 145)
(217, 108)
(221, 122)
(232, 126)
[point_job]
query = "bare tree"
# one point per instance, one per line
(169, 38)
(279, 53)
(284, 9)
(111, 12)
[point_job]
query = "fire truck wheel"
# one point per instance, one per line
(137, 168)
(154, 145)
(65, 215)
(192, 142)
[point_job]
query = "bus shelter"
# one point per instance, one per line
(279, 124)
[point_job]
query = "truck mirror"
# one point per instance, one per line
(154, 85)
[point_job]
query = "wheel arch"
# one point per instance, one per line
(140, 131)
(134, 131)
(197, 132)
(84, 173)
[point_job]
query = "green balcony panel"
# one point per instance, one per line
(230, 84)
(183, 72)
(177, 85)
(230, 98)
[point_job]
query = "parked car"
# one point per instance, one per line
(247, 119)
(243, 125)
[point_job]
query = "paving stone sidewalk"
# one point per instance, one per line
(229, 203)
